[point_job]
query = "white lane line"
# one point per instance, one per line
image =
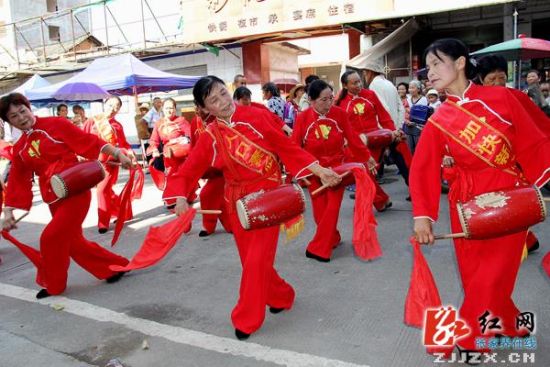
(178, 334)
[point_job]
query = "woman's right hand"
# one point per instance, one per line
(423, 231)
(181, 206)
(8, 223)
(156, 153)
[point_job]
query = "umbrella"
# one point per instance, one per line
(523, 48)
(285, 83)
(80, 91)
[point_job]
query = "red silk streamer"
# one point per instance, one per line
(125, 207)
(546, 263)
(158, 242)
(365, 239)
(30, 252)
(6, 150)
(423, 292)
(158, 177)
(137, 190)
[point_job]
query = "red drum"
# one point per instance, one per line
(78, 178)
(348, 179)
(379, 138)
(266, 208)
(500, 213)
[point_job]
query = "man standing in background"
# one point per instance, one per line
(154, 114)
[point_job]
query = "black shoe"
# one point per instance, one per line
(204, 233)
(316, 257)
(533, 248)
(115, 278)
(408, 198)
(352, 196)
(386, 206)
(171, 206)
(103, 230)
(43, 293)
(241, 335)
(275, 310)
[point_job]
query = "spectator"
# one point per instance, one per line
(433, 99)
(532, 78)
(304, 101)
(292, 107)
(239, 81)
(243, 96)
(141, 125)
(62, 110)
(372, 73)
(79, 115)
(403, 90)
(154, 114)
(273, 97)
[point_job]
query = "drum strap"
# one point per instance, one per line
(476, 136)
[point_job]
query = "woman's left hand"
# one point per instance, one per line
(372, 166)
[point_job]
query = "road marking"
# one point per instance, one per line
(178, 334)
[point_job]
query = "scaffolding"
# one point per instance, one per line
(64, 39)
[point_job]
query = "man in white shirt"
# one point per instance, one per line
(373, 73)
(154, 114)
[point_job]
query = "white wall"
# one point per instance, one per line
(324, 50)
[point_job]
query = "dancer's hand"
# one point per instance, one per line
(181, 206)
(329, 177)
(423, 231)
(8, 223)
(372, 166)
(126, 161)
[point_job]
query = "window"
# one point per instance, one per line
(53, 32)
(51, 5)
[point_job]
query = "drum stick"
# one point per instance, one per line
(21, 217)
(449, 236)
(111, 163)
(208, 211)
(546, 199)
(306, 181)
(325, 186)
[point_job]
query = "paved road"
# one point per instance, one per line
(347, 312)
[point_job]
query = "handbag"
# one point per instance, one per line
(420, 114)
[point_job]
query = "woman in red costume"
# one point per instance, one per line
(110, 130)
(174, 134)
(492, 140)
(244, 146)
(323, 130)
(366, 114)
(50, 145)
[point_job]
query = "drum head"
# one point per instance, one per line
(243, 214)
(59, 187)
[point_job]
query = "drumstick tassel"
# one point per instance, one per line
(293, 227)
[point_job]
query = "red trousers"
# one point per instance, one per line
(488, 270)
(107, 200)
(212, 197)
(326, 209)
(62, 239)
(380, 196)
(261, 286)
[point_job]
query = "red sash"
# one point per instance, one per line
(238, 149)
(476, 136)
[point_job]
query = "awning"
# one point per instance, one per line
(394, 39)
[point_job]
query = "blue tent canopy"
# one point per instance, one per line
(120, 75)
(36, 81)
